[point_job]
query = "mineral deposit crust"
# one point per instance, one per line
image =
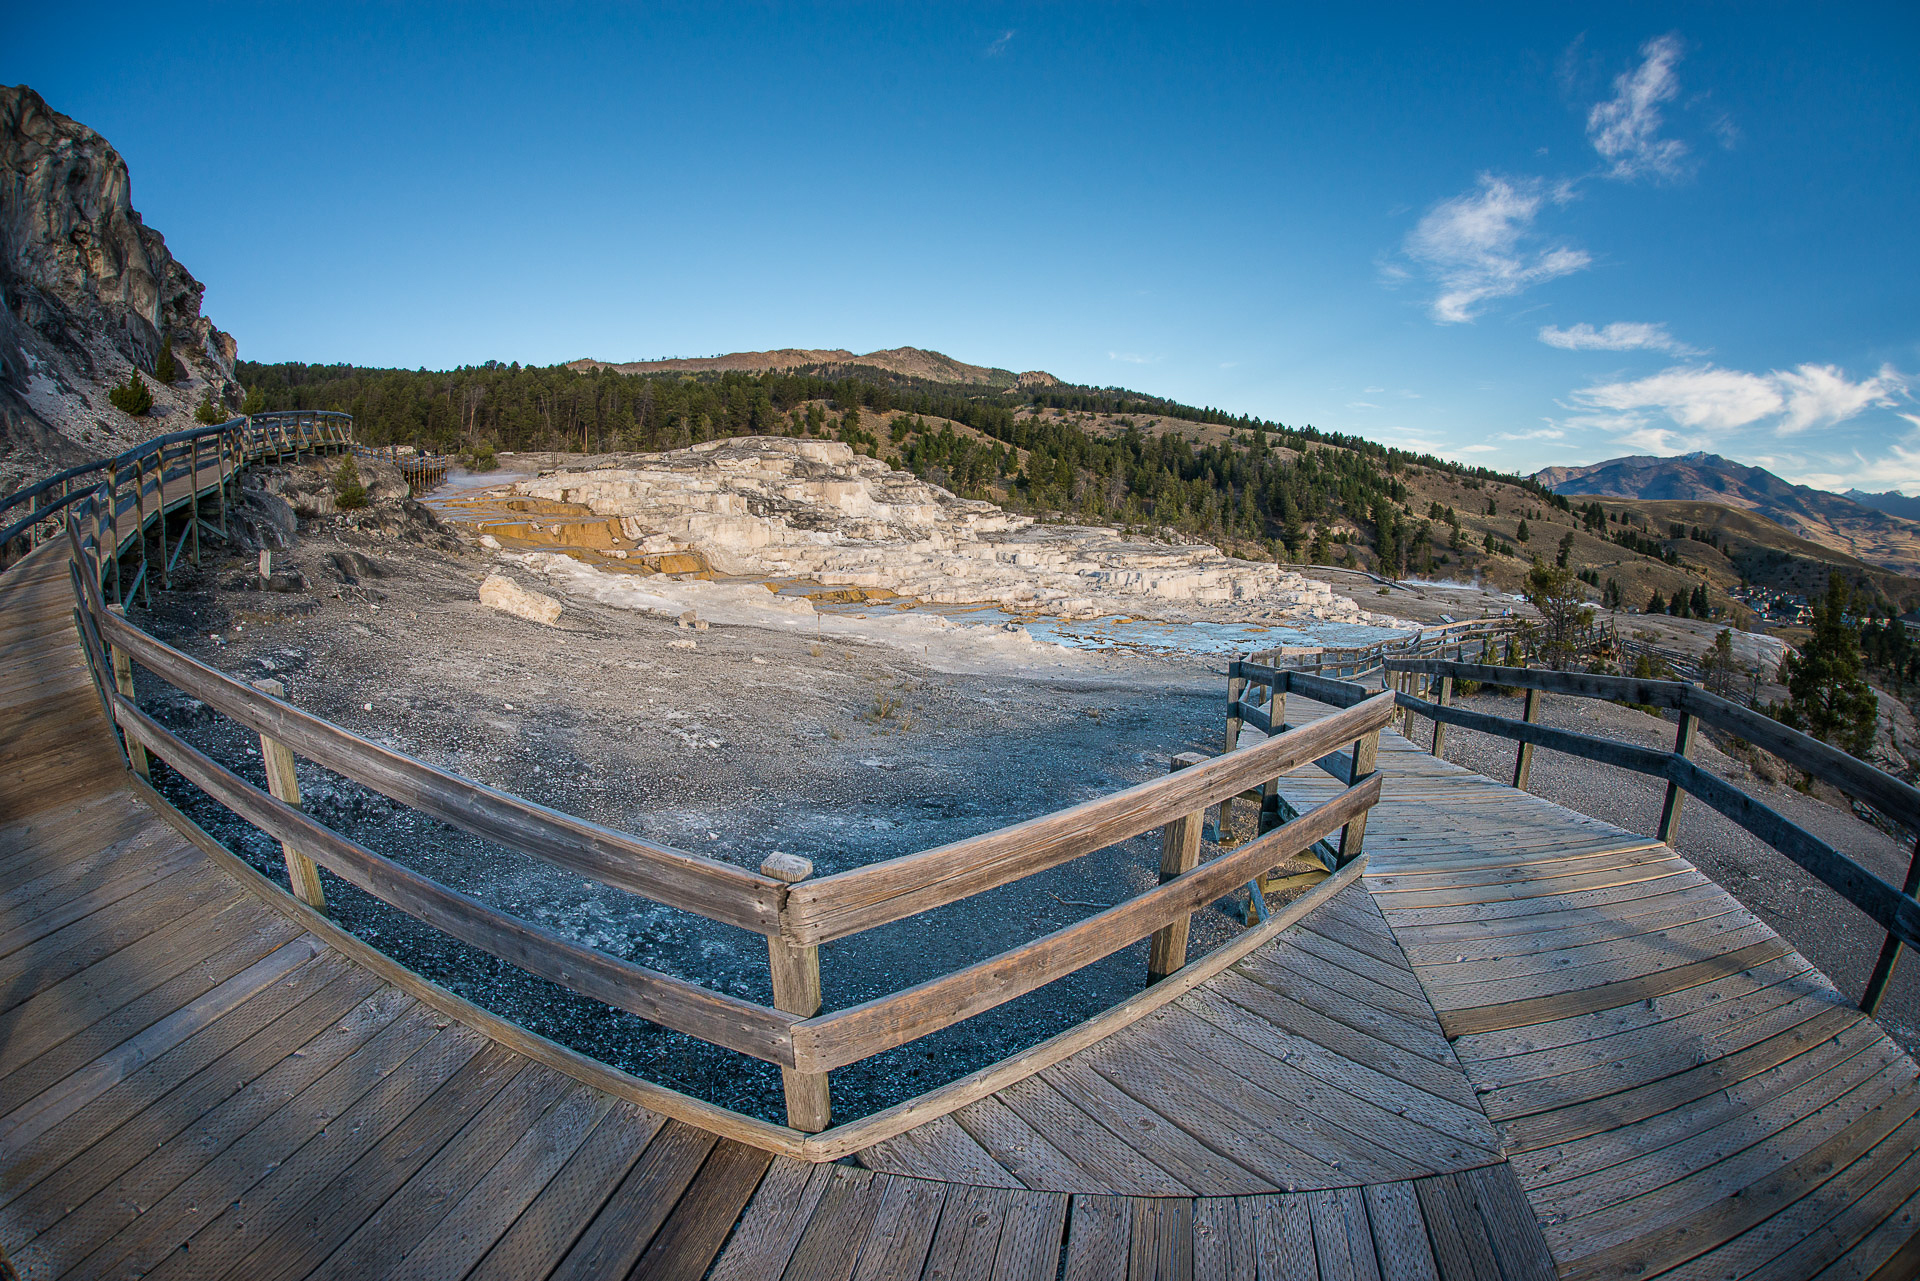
(783, 507)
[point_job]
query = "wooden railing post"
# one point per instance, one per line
(1670, 811)
(123, 681)
(1366, 753)
(220, 464)
(796, 990)
(1523, 758)
(1236, 690)
(1890, 951)
(1439, 726)
(302, 875)
(193, 495)
(1179, 852)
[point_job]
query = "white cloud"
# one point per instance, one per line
(1625, 128)
(1710, 401)
(1000, 43)
(1702, 397)
(1477, 246)
(1543, 433)
(1479, 449)
(1361, 404)
(1820, 394)
(1621, 335)
(1131, 358)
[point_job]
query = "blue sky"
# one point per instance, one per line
(1514, 235)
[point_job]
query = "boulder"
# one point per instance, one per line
(509, 597)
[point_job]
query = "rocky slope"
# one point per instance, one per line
(908, 362)
(91, 293)
(1829, 519)
(783, 508)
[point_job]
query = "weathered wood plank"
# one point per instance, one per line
(1546, 1009)
(687, 1242)
(1099, 1233)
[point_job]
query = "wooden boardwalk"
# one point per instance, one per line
(1523, 1043)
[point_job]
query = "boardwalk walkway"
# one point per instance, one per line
(1523, 1042)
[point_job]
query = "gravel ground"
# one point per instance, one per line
(1824, 927)
(754, 740)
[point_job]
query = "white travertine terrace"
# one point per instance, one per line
(781, 507)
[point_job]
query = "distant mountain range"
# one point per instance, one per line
(909, 362)
(1883, 529)
(1893, 503)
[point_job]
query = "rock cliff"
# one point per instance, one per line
(788, 508)
(91, 293)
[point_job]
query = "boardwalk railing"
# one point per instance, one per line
(158, 477)
(1353, 662)
(796, 914)
(1894, 909)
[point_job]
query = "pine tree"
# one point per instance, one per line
(134, 399)
(1656, 605)
(1826, 696)
(1563, 611)
(349, 493)
(166, 369)
(1522, 533)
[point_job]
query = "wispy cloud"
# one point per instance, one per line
(1625, 129)
(1821, 394)
(1481, 246)
(1621, 335)
(1000, 43)
(1478, 449)
(1708, 401)
(1131, 357)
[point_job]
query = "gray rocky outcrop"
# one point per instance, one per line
(90, 293)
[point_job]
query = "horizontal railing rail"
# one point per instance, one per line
(720, 891)
(795, 914)
(880, 893)
(1893, 908)
(33, 512)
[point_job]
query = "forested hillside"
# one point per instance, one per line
(1079, 452)
(1097, 455)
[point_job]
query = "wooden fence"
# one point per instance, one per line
(794, 912)
(1894, 909)
(157, 479)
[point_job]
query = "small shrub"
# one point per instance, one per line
(134, 399)
(210, 412)
(484, 458)
(349, 493)
(166, 369)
